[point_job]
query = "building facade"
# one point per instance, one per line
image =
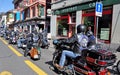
(67, 14)
(10, 18)
(3, 20)
(30, 14)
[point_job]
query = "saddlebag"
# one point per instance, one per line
(99, 57)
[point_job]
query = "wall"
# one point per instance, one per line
(53, 26)
(78, 17)
(115, 37)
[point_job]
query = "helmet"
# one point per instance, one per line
(81, 28)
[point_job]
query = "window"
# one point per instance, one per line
(33, 11)
(41, 11)
(34, 0)
(104, 23)
(73, 18)
(27, 13)
(63, 27)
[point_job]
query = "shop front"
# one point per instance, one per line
(67, 23)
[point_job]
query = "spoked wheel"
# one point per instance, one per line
(118, 66)
(56, 58)
(114, 69)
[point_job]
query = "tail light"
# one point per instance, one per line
(103, 72)
(102, 63)
(91, 73)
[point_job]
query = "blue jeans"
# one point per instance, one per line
(68, 54)
(19, 42)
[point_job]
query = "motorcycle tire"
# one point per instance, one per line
(114, 69)
(56, 58)
(10, 42)
(25, 52)
(118, 66)
(39, 55)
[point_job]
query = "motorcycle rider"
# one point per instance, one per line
(78, 41)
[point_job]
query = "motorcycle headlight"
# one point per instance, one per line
(55, 42)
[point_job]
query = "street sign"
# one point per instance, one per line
(99, 7)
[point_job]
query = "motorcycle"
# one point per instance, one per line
(33, 49)
(44, 43)
(24, 44)
(116, 67)
(91, 62)
(12, 40)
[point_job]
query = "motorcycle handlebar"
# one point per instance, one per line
(58, 41)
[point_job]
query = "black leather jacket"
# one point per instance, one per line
(73, 41)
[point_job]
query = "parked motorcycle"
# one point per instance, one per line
(24, 44)
(91, 62)
(2, 32)
(44, 43)
(7, 34)
(12, 38)
(33, 48)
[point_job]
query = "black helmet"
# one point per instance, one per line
(81, 28)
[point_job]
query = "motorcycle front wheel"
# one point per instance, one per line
(25, 52)
(118, 66)
(56, 58)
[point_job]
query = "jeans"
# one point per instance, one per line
(68, 54)
(19, 42)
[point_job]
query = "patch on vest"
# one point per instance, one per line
(83, 40)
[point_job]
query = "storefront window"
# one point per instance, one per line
(73, 17)
(63, 27)
(104, 23)
(104, 26)
(89, 21)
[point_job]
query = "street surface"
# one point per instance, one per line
(13, 62)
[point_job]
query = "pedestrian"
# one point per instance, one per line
(89, 31)
(91, 36)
